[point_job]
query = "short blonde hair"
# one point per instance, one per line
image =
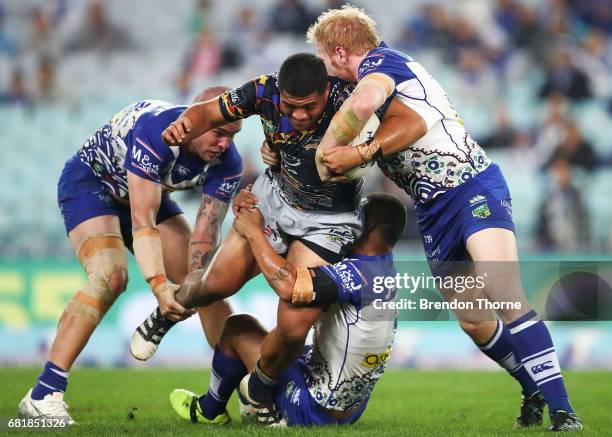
(349, 27)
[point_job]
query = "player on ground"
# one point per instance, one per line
(113, 194)
(332, 381)
(462, 200)
(312, 222)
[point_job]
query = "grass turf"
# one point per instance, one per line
(405, 402)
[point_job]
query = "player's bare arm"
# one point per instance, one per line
(280, 274)
(369, 95)
(207, 233)
(400, 128)
(197, 119)
(145, 198)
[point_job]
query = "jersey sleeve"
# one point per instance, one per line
(148, 156)
(223, 180)
(244, 101)
(342, 282)
(409, 89)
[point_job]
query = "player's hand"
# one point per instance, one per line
(177, 132)
(244, 199)
(324, 173)
(169, 307)
(248, 222)
(269, 155)
(341, 159)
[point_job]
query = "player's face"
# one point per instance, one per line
(213, 143)
(303, 112)
(333, 64)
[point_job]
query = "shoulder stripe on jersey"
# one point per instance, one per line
(150, 149)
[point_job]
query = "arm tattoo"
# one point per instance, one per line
(207, 232)
(283, 273)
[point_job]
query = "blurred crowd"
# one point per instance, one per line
(560, 49)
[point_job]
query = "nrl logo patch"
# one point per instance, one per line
(481, 211)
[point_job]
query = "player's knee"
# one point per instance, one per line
(236, 325)
(117, 281)
(293, 331)
(104, 260)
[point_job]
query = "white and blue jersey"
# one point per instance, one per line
(94, 181)
(446, 156)
(350, 349)
(456, 189)
(132, 141)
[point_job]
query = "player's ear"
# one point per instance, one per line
(341, 53)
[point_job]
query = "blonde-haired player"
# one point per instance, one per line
(462, 200)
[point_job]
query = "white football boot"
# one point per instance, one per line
(51, 407)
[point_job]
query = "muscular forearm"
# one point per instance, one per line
(279, 273)
(396, 134)
(207, 234)
(369, 95)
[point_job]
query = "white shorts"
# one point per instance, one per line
(330, 235)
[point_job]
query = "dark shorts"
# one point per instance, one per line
(81, 196)
(446, 222)
(298, 407)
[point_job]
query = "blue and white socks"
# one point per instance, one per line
(536, 351)
(226, 374)
(500, 348)
(52, 379)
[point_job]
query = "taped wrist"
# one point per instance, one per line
(314, 286)
(149, 256)
(369, 151)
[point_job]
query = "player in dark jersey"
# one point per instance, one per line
(331, 382)
(114, 193)
(312, 222)
(462, 200)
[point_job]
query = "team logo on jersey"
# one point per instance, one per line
(481, 211)
(371, 63)
(374, 360)
(477, 199)
(182, 170)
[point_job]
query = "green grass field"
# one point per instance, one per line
(135, 402)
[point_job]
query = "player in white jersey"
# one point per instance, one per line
(332, 381)
(462, 200)
(114, 194)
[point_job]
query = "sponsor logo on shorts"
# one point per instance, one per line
(270, 233)
(373, 360)
(293, 393)
(477, 199)
(481, 211)
(508, 205)
(427, 239)
(542, 367)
